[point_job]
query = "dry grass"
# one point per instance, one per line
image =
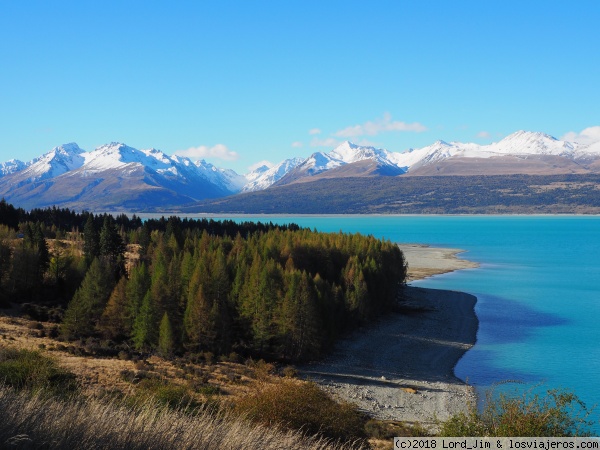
(32, 422)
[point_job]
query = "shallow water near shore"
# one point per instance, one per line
(538, 291)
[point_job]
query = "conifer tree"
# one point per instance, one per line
(89, 301)
(59, 263)
(40, 244)
(144, 332)
(298, 317)
(144, 239)
(166, 341)
(112, 247)
(136, 288)
(199, 321)
(116, 320)
(91, 240)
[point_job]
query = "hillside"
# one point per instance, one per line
(498, 194)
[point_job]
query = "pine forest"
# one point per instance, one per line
(179, 286)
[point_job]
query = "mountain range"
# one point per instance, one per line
(117, 177)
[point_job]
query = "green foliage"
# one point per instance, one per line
(166, 340)
(262, 290)
(277, 294)
(112, 247)
(87, 305)
(26, 369)
(557, 413)
(303, 406)
(144, 333)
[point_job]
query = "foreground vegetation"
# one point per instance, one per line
(45, 423)
(48, 411)
(43, 410)
(555, 413)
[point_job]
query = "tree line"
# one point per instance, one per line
(177, 285)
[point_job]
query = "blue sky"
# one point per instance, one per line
(238, 82)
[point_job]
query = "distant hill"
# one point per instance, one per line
(494, 194)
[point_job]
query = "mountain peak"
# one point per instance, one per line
(529, 136)
(70, 148)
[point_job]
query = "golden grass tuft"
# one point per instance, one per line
(32, 421)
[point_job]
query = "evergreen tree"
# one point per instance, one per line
(199, 321)
(91, 240)
(116, 321)
(89, 301)
(40, 244)
(112, 247)
(24, 279)
(144, 239)
(299, 318)
(58, 267)
(5, 261)
(166, 341)
(137, 286)
(144, 332)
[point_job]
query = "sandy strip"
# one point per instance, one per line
(402, 368)
(425, 261)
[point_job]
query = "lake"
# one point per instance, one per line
(538, 291)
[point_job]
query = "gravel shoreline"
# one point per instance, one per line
(402, 367)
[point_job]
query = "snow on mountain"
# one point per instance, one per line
(57, 161)
(116, 155)
(69, 171)
(120, 157)
(227, 178)
(12, 166)
(265, 176)
(318, 162)
(351, 153)
(530, 143)
(521, 143)
(591, 150)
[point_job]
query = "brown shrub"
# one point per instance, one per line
(305, 407)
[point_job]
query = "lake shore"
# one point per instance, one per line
(402, 367)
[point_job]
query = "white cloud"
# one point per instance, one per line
(218, 151)
(586, 136)
(264, 162)
(314, 131)
(327, 142)
(297, 144)
(484, 135)
(373, 128)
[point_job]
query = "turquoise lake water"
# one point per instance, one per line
(538, 291)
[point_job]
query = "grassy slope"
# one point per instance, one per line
(413, 195)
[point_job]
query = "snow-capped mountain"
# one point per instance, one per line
(113, 176)
(118, 177)
(337, 162)
(57, 161)
(265, 176)
(12, 166)
(521, 152)
(521, 143)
